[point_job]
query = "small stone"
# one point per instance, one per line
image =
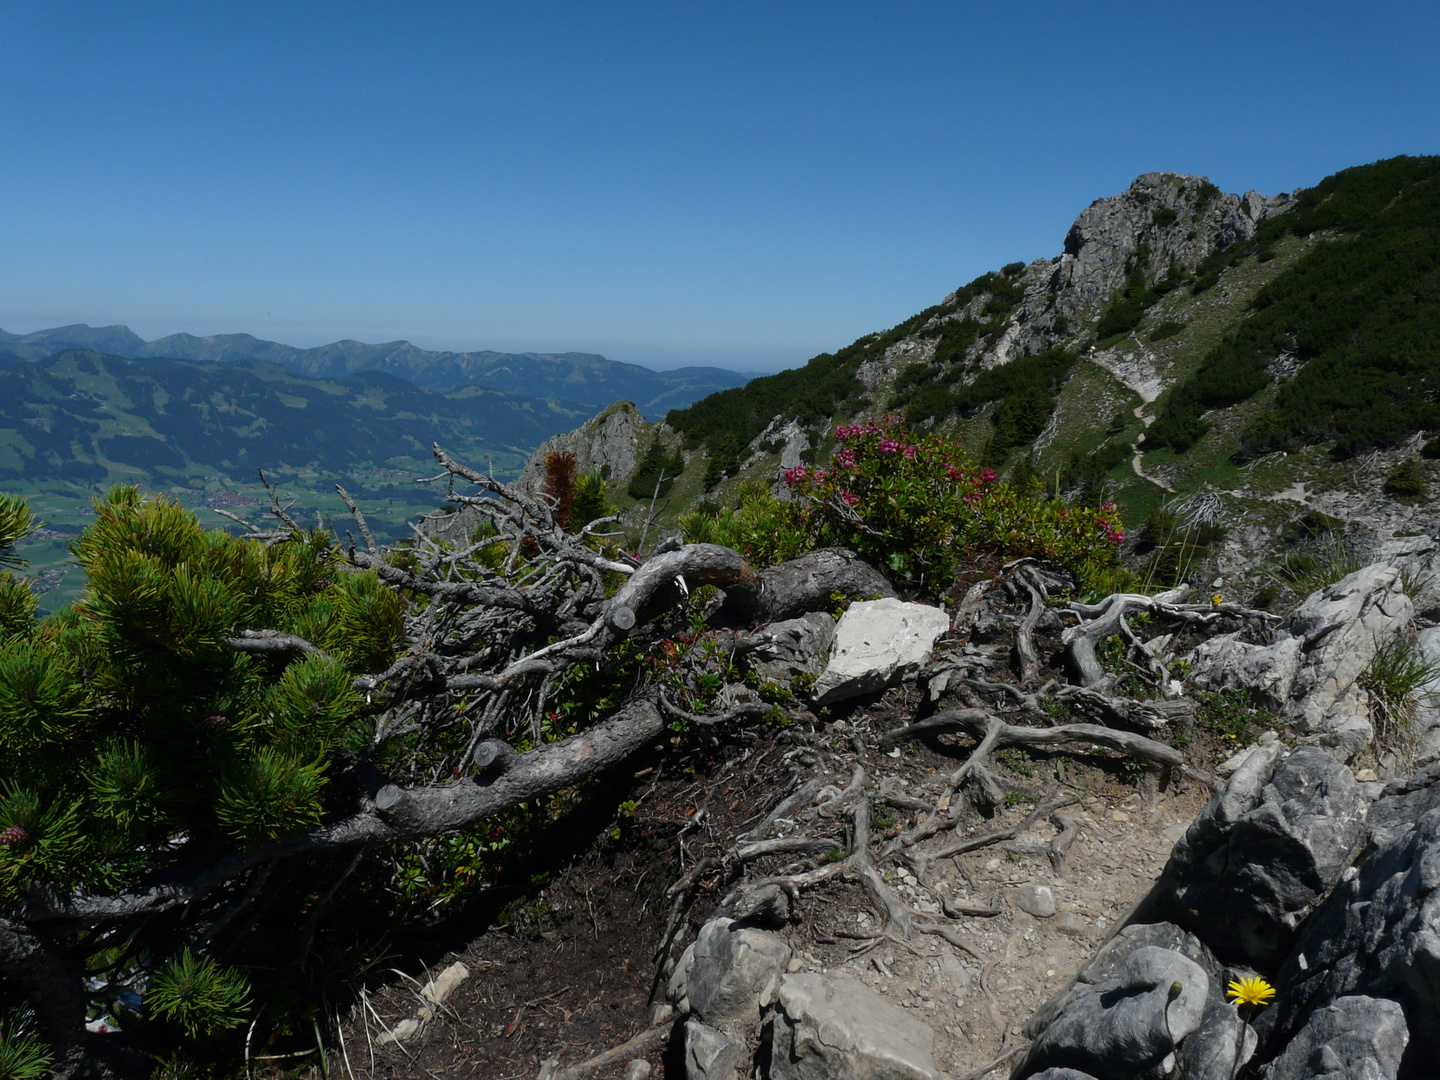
(438, 989)
(1119, 815)
(660, 1013)
(991, 865)
(1037, 900)
(400, 1032)
(1068, 922)
(639, 1069)
(1232, 763)
(796, 963)
(710, 1054)
(1366, 776)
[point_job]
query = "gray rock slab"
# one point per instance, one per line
(877, 643)
(1208, 1052)
(1377, 935)
(729, 972)
(1122, 1028)
(711, 1054)
(1309, 669)
(781, 651)
(1353, 1038)
(1264, 851)
(1348, 737)
(834, 1027)
(1401, 804)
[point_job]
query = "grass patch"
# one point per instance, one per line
(1398, 679)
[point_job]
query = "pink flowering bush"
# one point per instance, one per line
(918, 506)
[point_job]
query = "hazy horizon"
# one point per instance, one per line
(657, 357)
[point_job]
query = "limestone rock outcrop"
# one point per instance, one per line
(1353, 1038)
(877, 643)
(610, 443)
(1265, 850)
(1309, 670)
(729, 972)
(1378, 935)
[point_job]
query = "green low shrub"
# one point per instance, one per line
(1406, 480)
(917, 507)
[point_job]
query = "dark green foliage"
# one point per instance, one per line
(591, 500)
(1208, 194)
(198, 995)
(135, 743)
(657, 461)
(1363, 313)
(202, 739)
(1431, 450)
(1061, 325)
(1232, 716)
(1167, 329)
(1025, 388)
(1091, 470)
(1128, 306)
(1406, 480)
(726, 423)
(934, 400)
(1313, 525)
(1011, 269)
(1164, 216)
(23, 1055)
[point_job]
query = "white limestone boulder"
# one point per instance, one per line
(877, 643)
(834, 1027)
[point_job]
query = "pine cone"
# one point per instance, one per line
(217, 724)
(14, 836)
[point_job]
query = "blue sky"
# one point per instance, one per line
(737, 184)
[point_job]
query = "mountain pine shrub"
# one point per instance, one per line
(1407, 480)
(133, 739)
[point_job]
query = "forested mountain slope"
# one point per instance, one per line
(93, 419)
(1257, 360)
(587, 378)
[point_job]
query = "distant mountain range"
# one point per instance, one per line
(586, 379)
(86, 419)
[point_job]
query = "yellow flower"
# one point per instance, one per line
(1217, 599)
(1255, 991)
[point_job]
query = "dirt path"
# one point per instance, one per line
(571, 975)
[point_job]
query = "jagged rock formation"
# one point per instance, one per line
(1176, 220)
(610, 444)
